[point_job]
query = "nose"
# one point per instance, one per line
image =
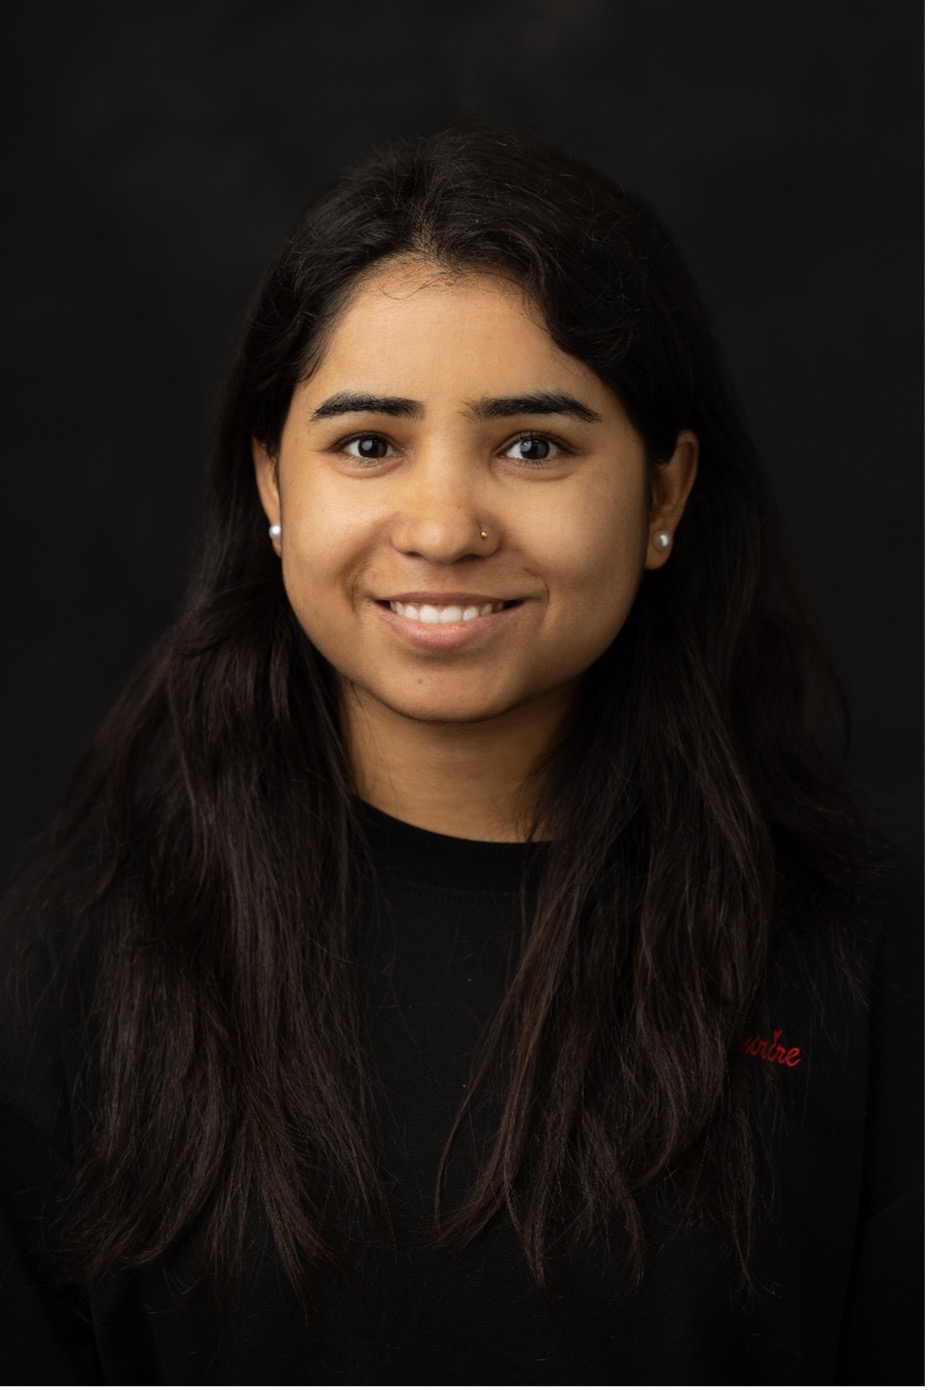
(441, 520)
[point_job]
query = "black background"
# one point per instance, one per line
(158, 153)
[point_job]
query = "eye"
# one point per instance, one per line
(370, 447)
(535, 448)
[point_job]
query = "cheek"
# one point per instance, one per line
(312, 574)
(325, 538)
(592, 564)
(318, 563)
(599, 554)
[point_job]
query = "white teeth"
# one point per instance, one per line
(428, 613)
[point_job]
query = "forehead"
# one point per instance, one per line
(412, 327)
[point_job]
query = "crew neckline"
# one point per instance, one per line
(445, 861)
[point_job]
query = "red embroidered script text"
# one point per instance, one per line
(773, 1051)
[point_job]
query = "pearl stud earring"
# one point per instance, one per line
(274, 530)
(662, 540)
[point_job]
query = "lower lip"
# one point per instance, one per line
(445, 636)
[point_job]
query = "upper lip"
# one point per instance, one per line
(443, 600)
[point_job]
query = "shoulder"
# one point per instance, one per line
(844, 1033)
(896, 1046)
(842, 997)
(883, 1341)
(871, 942)
(45, 978)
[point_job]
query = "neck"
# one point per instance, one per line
(473, 781)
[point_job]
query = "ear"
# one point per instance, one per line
(671, 489)
(268, 491)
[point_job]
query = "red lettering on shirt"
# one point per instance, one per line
(771, 1050)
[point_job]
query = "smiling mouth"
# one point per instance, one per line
(432, 614)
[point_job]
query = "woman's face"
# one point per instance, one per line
(465, 511)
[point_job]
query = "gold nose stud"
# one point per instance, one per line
(483, 535)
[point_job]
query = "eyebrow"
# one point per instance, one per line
(356, 403)
(539, 403)
(487, 408)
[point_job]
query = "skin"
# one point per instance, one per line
(444, 725)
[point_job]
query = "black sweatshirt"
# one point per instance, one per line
(838, 1260)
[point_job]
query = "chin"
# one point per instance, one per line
(442, 707)
(451, 711)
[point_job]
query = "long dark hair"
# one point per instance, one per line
(694, 805)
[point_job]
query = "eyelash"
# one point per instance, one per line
(558, 444)
(563, 450)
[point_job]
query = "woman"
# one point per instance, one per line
(461, 963)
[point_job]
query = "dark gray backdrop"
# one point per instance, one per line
(158, 153)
